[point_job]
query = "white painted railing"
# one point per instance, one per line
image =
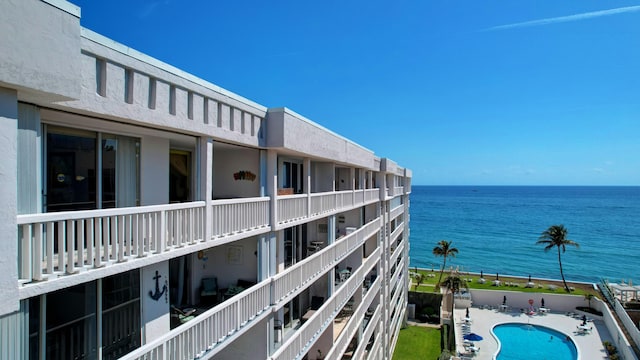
(396, 233)
(366, 335)
(355, 321)
(67, 242)
(208, 331)
(395, 212)
(374, 353)
(323, 202)
(294, 278)
(398, 190)
(297, 276)
(292, 207)
(239, 215)
(371, 195)
(304, 338)
(59, 243)
(344, 199)
(395, 254)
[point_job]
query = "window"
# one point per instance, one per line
(291, 175)
(179, 176)
(89, 170)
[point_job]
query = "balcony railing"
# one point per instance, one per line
(395, 212)
(59, 243)
(295, 207)
(239, 215)
(304, 338)
(53, 244)
(293, 279)
(360, 352)
(208, 331)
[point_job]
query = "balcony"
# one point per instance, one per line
(66, 243)
(302, 207)
(206, 334)
(307, 334)
(295, 278)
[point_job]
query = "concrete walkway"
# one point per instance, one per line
(483, 320)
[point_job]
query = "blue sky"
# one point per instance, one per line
(461, 92)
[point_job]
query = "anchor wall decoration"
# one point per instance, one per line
(158, 294)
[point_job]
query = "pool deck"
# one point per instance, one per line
(483, 320)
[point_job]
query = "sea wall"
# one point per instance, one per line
(520, 300)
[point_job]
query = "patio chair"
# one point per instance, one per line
(209, 288)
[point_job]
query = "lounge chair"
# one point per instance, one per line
(183, 315)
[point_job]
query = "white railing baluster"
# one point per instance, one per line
(50, 246)
(105, 239)
(27, 256)
(80, 241)
(127, 238)
(61, 246)
(70, 246)
(120, 239)
(135, 234)
(161, 233)
(97, 262)
(89, 226)
(37, 250)
(113, 236)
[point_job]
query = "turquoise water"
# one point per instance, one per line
(495, 229)
(524, 342)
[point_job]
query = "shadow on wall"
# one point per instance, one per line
(427, 306)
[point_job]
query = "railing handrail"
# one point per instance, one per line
(83, 214)
(197, 320)
(240, 200)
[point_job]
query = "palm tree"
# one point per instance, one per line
(419, 278)
(556, 236)
(444, 249)
(453, 283)
(588, 297)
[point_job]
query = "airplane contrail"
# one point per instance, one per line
(560, 19)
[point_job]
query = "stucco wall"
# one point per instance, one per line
(155, 312)
(520, 300)
(9, 201)
(41, 51)
(306, 137)
(226, 163)
(154, 170)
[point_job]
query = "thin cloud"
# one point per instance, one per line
(569, 18)
(151, 7)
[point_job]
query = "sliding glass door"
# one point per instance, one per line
(87, 170)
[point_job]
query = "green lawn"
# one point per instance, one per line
(542, 286)
(416, 342)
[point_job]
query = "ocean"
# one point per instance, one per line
(495, 229)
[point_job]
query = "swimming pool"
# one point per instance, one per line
(523, 341)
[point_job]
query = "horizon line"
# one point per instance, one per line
(529, 185)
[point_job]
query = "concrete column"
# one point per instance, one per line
(264, 257)
(273, 260)
(272, 185)
(9, 301)
(264, 191)
(205, 177)
(381, 180)
(306, 186)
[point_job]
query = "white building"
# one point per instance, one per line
(149, 214)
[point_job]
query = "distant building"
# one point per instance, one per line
(149, 214)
